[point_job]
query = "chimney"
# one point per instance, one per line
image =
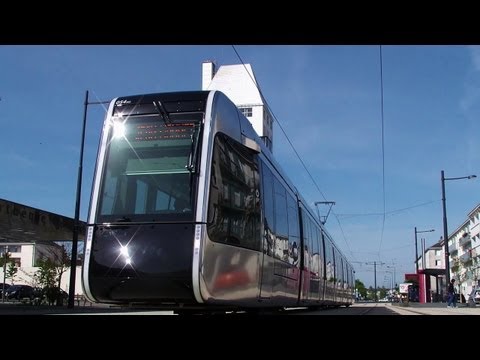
(208, 72)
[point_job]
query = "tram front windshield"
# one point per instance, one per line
(149, 174)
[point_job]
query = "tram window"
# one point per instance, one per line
(268, 209)
(145, 172)
(293, 230)
(329, 264)
(163, 201)
(141, 198)
(281, 221)
(321, 252)
(109, 199)
(315, 250)
(234, 204)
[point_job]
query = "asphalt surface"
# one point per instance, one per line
(368, 308)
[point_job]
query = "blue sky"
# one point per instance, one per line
(326, 98)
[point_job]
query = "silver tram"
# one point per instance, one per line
(190, 210)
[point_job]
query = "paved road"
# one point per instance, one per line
(356, 310)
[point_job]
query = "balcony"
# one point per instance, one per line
(465, 257)
(452, 247)
(464, 240)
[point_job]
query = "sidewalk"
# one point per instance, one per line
(434, 309)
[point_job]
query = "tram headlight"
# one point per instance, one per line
(124, 251)
(126, 256)
(118, 129)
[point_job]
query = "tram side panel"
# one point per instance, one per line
(231, 262)
(232, 257)
(312, 291)
(281, 263)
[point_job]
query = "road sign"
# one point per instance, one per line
(404, 288)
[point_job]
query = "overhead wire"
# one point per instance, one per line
(383, 153)
(293, 147)
(392, 212)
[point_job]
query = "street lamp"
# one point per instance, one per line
(445, 228)
(4, 272)
(416, 248)
(394, 276)
(76, 222)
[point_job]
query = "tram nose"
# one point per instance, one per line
(134, 262)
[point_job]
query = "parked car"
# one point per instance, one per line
(2, 286)
(19, 292)
(476, 297)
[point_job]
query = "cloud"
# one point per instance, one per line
(340, 145)
(19, 160)
(472, 85)
(475, 54)
(470, 108)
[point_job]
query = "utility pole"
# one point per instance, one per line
(416, 247)
(445, 228)
(394, 275)
(4, 272)
(374, 263)
(76, 223)
(416, 252)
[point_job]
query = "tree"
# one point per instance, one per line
(4, 260)
(12, 270)
(360, 288)
(458, 273)
(371, 293)
(46, 277)
(52, 264)
(383, 292)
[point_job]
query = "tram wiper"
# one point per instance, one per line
(193, 149)
(190, 166)
(123, 219)
(161, 110)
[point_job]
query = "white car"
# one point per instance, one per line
(476, 296)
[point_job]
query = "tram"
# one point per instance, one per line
(190, 210)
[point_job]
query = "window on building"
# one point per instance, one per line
(246, 111)
(437, 262)
(10, 248)
(15, 248)
(438, 252)
(267, 142)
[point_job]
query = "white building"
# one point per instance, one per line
(464, 257)
(32, 234)
(432, 262)
(26, 256)
(28, 253)
(463, 246)
(238, 82)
